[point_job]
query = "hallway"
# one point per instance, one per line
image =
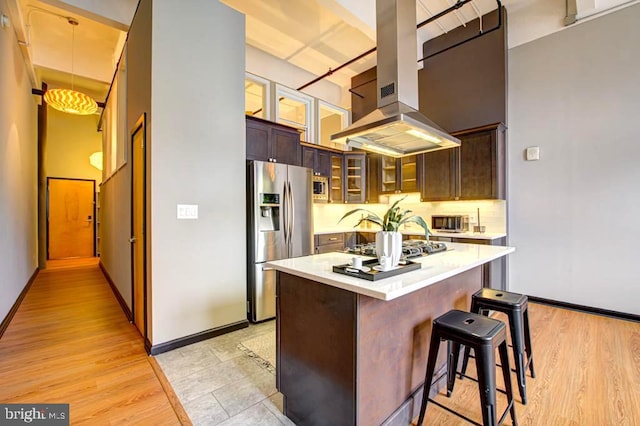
(70, 342)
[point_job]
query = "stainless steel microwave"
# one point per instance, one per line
(320, 188)
(452, 223)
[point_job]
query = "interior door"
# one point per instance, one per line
(138, 238)
(71, 231)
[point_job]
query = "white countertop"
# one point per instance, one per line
(472, 235)
(435, 268)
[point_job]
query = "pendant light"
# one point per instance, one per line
(71, 101)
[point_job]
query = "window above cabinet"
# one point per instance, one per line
(257, 93)
(295, 109)
(315, 119)
(331, 120)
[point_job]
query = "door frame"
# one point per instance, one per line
(140, 126)
(48, 198)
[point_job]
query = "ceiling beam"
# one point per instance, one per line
(360, 14)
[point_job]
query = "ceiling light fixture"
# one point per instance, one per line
(69, 100)
(95, 160)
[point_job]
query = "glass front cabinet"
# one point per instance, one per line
(355, 178)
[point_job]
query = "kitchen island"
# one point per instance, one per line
(354, 352)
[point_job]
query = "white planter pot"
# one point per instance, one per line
(389, 245)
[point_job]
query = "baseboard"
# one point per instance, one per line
(121, 301)
(194, 338)
(588, 309)
(5, 322)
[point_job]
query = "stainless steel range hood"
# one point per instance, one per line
(396, 128)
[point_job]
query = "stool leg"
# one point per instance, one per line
(467, 350)
(431, 365)
(516, 326)
(465, 361)
(527, 342)
(486, 365)
(506, 373)
(452, 365)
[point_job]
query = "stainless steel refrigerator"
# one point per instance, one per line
(280, 226)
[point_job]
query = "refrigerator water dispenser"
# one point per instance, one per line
(269, 213)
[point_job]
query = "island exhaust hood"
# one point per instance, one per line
(396, 128)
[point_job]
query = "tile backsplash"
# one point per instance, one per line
(493, 213)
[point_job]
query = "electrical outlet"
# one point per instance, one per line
(473, 218)
(187, 211)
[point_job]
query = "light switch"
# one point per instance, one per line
(533, 153)
(187, 211)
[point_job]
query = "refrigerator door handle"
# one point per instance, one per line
(285, 214)
(292, 204)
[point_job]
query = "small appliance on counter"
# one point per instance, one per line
(451, 223)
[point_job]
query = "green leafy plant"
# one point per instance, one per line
(392, 220)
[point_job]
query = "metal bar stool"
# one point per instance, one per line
(484, 335)
(515, 307)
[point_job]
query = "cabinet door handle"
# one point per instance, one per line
(333, 239)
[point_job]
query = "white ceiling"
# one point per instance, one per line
(314, 35)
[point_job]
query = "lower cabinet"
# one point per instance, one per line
(327, 243)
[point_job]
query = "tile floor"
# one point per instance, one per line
(218, 384)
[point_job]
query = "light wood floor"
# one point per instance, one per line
(587, 373)
(70, 342)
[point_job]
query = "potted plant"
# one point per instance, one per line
(389, 239)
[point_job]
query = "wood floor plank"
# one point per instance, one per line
(587, 373)
(70, 342)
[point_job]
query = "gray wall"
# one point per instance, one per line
(18, 172)
(115, 230)
(573, 215)
(115, 208)
(198, 267)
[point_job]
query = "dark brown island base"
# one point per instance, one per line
(354, 352)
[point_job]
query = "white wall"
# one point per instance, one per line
(573, 215)
(18, 172)
(198, 267)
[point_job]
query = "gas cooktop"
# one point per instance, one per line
(410, 248)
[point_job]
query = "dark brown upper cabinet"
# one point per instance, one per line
(475, 171)
(373, 181)
(398, 175)
(317, 158)
(355, 178)
(483, 164)
(336, 179)
(439, 177)
(272, 142)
